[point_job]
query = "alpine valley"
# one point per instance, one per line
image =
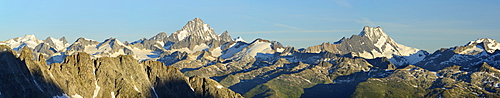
(196, 62)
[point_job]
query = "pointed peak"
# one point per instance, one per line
(239, 39)
(197, 19)
(490, 45)
(372, 32)
(49, 38)
(483, 40)
(225, 37)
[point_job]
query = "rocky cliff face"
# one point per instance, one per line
(81, 76)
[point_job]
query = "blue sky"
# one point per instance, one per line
(424, 24)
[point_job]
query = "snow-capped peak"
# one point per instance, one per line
(195, 27)
(58, 44)
(490, 45)
(239, 39)
(28, 40)
(373, 32)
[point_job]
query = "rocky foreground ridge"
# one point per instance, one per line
(370, 64)
(80, 76)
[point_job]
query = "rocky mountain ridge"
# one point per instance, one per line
(80, 76)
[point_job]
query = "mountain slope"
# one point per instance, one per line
(473, 53)
(81, 76)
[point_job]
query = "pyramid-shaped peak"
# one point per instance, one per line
(197, 20)
(162, 36)
(373, 32)
(225, 37)
(195, 28)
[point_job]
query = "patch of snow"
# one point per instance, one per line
(233, 50)
(195, 48)
(96, 91)
(144, 54)
(219, 86)
(113, 95)
(136, 89)
(472, 50)
(239, 39)
(205, 27)
(182, 34)
(217, 52)
(380, 42)
(59, 45)
(280, 50)
(259, 47)
(76, 96)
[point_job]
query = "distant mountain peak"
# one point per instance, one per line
(239, 39)
(162, 36)
(195, 27)
(225, 37)
(479, 45)
(374, 33)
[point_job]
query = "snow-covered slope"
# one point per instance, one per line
(385, 46)
(474, 53)
(28, 40)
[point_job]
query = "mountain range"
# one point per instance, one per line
(196, 62)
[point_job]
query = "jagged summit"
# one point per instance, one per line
(195, 28)
(225, 37)
(371, 43)
(478, 46)
(490, 45)
(162, 36)
(28, 40)
(375, 34)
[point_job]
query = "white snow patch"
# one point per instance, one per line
(280, 50)
(259, 47)
(380, 42)
(217, 52)
(144, 54)
(136, 89)
(233, 50)
(96, 91)
(205, 27)
(182, 34)
(59, 45)
(76, 96)
(113, 95)
(472, 50)
(219, 86)
(239, 39)
(195, 48)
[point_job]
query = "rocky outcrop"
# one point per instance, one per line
(81, 76)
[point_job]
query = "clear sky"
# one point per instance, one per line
(424, 24)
